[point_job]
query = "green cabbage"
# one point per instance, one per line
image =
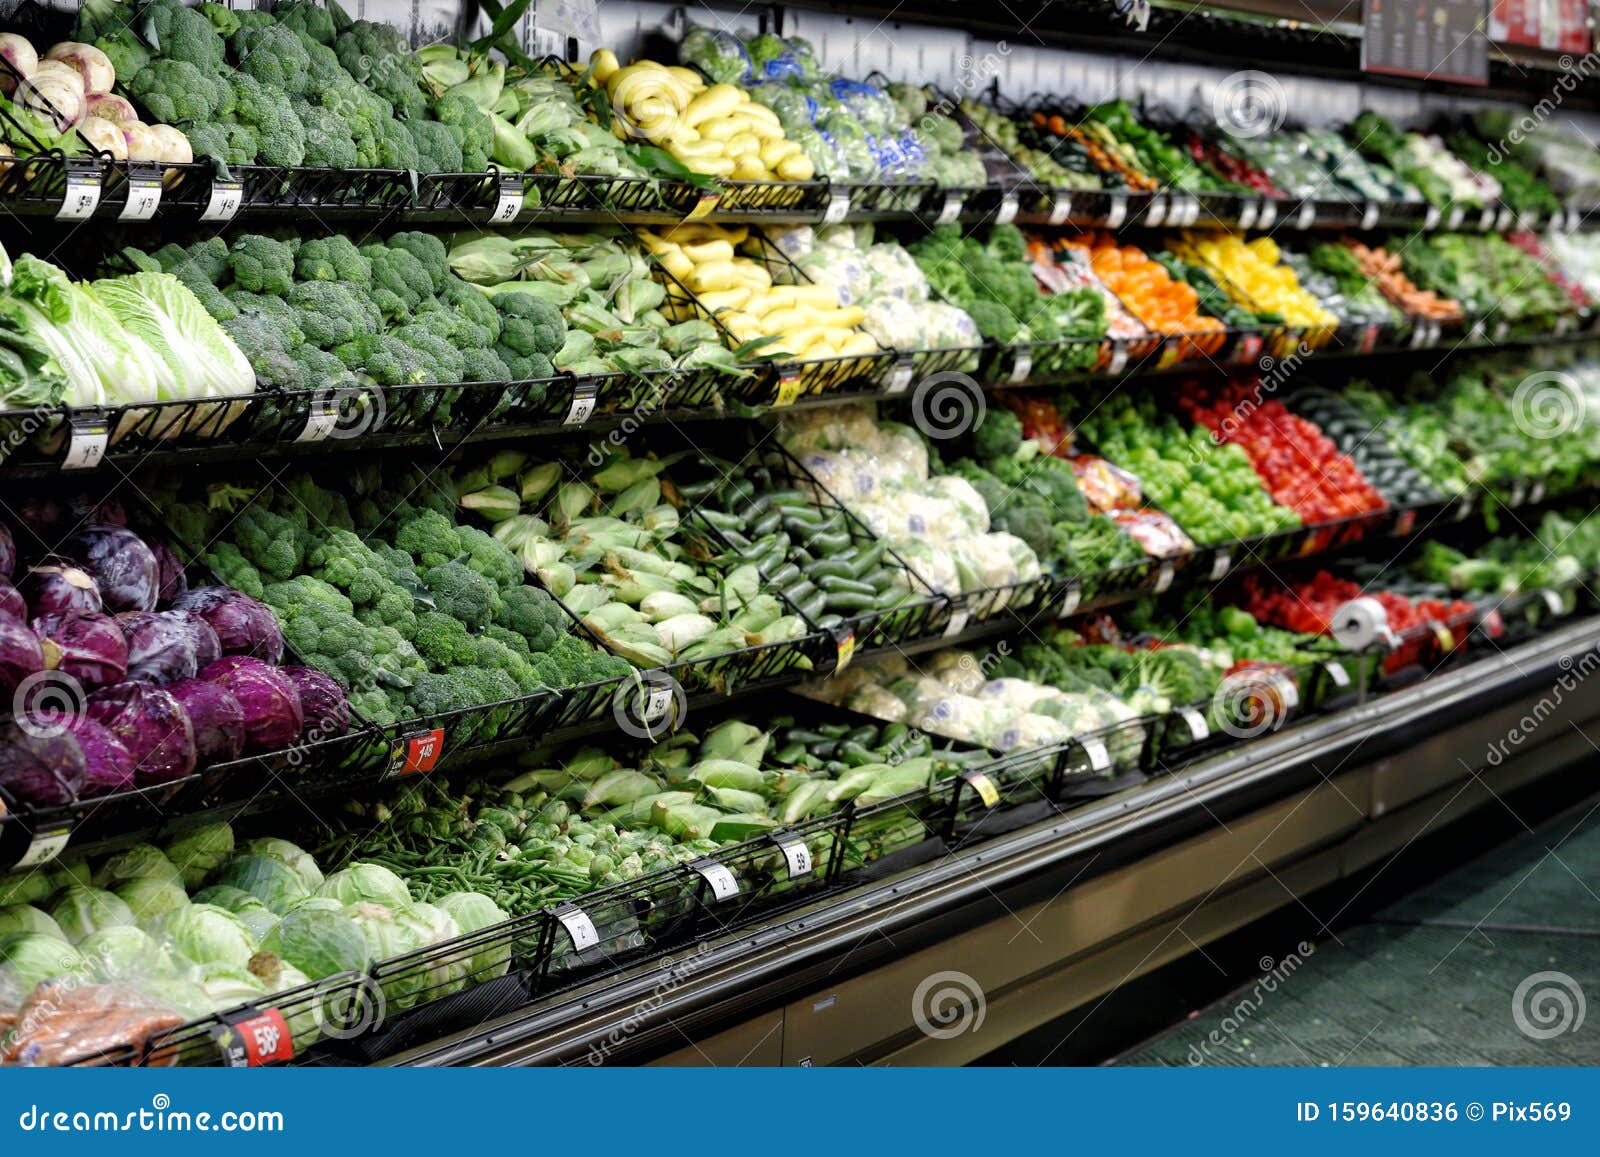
(267, 878)
(474, 912)
(210, 935)
(198, 853)
(318, 942)
(124, 952)
(31, 957)
(388, 936)
(80, 911)
(141, 862)
(366, 882)
(297, 858)
(255, 915)
(25, 888)
(150, 898)
(432, 926)
(27, 918)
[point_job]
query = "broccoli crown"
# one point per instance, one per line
(280, 325)
(209, 258)
(334, 258)
(329, 144)
(377, 56)
(471, 127)
(215, 301)
(222, 18)
(262, 265)
(490, 557)
(436, 146)
(274, 55)
(273, 543)
(462, 594)
(303, 16)
(323, 370)
(281, 139)
(384, 359)
(429, 251)
(471, 307)
(181, 33)
(316, 506)
(529, 326)
(998, 435)
(400, 274)
(331, 313)
(533, 614)
(234, 569)
(429, 537)
(273, 365)
(393, 145)
(443, 641)
(178, 92)
(443, 360)
(525, 367)
(128, 57)
(478, 365)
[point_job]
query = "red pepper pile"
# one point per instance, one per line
(1042, 422)
(1529, 244)
(1230, 167)
(1301, 466)
(1310, 606)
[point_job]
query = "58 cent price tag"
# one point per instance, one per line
(253, 1037)
(580, 929)
(718, 878)
(795, 854)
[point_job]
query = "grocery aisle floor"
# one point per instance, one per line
(1431, 979)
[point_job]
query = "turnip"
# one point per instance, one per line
(104, 136)
(19, 54)
(143, 143)
(55, 90)
(109, 106)
(172, 144)
(92, 64)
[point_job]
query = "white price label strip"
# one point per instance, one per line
(82, 197)
(1248, 212)
(795, 854)
(91, 434)
(1061, 209)
(1536, 492)
(1486, 219)
(1463, 508)
(1430, 219)
(1023, 366)
(1070, 601)
(225, 201)
(1519, 493)
(1191, 210)
(144, 193)
(584, 395)
(46, 845)
(1156, 214)
(718, 877)
(579, 928)
(1220, 562)
(1119, 359)
(1287, 691)
(1503, 219)
(1007, 212)
(899, 377)
(1458, 214)
(838, 207)
(958, 622)
(1369, 215)
(1196, 723)
(1337, 673)
(322, 419)
(1307, 216)
(1099, 757)
(1118, 212)
(1552, 601)
(1268, 216)
(950, 210)
(508, 200)
(658, 704)
(1164, 577)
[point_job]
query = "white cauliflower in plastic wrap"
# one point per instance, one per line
(973, 511)
(934, 565)
(877, 702)
(901, 452)
(946, 326)
(844, 270)
(1017, 694)
(895, 324)
(833, 471)
(963, 717)
(1027, 730)
(895, 273)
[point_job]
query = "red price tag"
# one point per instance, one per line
(255, 1039)
(417, 754)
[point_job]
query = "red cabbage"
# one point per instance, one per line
(207, 647)
(107, 763)
(152, 725)
(89, 647)
(159, 647)
(246, 626)
(42, 516)
(56, 587)
(8, 552)
(217, 718)
(322, 701)
(40, 763)
(123, 567)
(273, 717)
(171, 581)
(20, 656)
(11, 601)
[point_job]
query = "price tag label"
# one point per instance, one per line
(1287, 691)
(718, 877)
(144, 193)
(1574, 219)
(704, 206)
(1071, 601)
(417, 753)
(1552, 601)
(224, 202)
(1458, 215)
(507, 200)
(1191, 210)
(1519, 493)
(1269, 214)
(250, 1037)
(899, 377)
(1119, 359)
(1156, 213)
(1164, 577)
(1443, 636)
(1536, 492)
(1248, 213)
(82, 197)
(1061, 209)
(1419, 335)
(1369, 215)
(1220, 562)
(838, 207)
(1486, 219)
(657, 704)
(1337, 673)
(1369, 339)
(1199, 729)
(844, 639)
(1117, 213)
(1095, 749)
(1307, 216)
(584, 395)
(1007, 212)
(1528, 221)
(958, 622)
(322, 418)
(788, 386)
(1476, 330)
(1022, 367)
(1430, 219)
(951, 209)
(1463, 508)
(1404, 522)
(1503, 219)
(1502, 330)
(580, 928)
(86, 445)
(984, 786)
(1563, 325)
(795, 855)
(46, 844)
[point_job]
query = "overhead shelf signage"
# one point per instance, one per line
(1441, 40)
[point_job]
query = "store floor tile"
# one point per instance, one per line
(1493, 964)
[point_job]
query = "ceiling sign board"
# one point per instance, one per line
(1442, 40)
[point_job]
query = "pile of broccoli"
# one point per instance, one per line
(318, 312)
(294, 86)
(413, 614)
